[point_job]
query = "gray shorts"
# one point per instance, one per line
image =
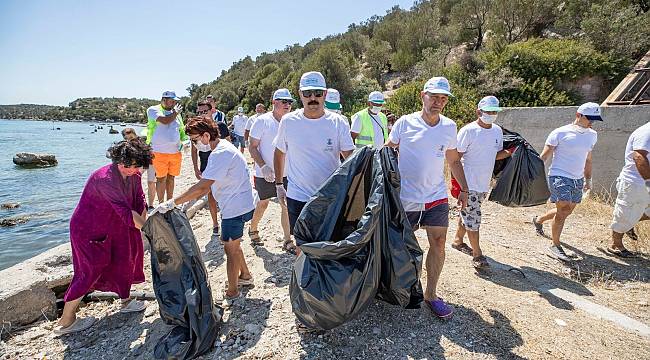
(471, 215)
(151, 174)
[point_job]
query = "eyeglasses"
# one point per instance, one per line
(316, 93)
(203, 112)
(285, 101)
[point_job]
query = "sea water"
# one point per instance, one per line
(47, 196)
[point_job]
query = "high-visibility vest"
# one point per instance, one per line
(367, 134)
(152, 124)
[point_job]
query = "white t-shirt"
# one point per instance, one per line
(239, 123)
(312, 147)
(265, 129)
(639, 140)
(232, 185)
(480, 147)
(378, 137)
(572, 144)
(422, 156)
(166, 139)
(251, 121)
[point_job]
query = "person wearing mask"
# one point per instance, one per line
(425, 140)
(238, 127)
(107, 248)
(261, 147)
(370, 125)
(310, 143)
(633, 186)
(227, 178)
(165, 133)
(480, 144)
(569, 149)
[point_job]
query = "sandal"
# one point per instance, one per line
(464, 248)
(289, 247)
(632, 234)
(249, 283)
(79, 324)
(480, 262)
(623, 253)
(134, 306)
(255, 238)
(229, 301)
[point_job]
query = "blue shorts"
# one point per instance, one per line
(238, 140)
(294, 208)
(435, 216)
(565, 189)
(233, 228)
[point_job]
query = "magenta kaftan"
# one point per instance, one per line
(107, 251)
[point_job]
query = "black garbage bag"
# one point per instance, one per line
(521, 178)
(182, 288)
(356, 244)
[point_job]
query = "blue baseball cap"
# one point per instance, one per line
(171, 95)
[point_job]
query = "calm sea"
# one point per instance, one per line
(48, 196)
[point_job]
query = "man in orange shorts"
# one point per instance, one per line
(165, 133)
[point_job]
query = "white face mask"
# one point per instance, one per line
(487, 118)
(375, 109)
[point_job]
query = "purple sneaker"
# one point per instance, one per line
(439, 308)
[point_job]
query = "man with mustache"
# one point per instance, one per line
(311, 140)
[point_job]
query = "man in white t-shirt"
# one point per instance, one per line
(227, 178)
(259, 110)
(311, 140)
(261, 147)
(480, 143)
(165, 131)
(238, 126)
(633, 186)
(426, 139)
(370, 125)
(570, 147)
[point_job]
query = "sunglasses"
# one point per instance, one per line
(316, 93)
(285, 101)
(202, 112)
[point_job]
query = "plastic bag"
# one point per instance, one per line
(521, 178)
(356, 244)
(182, 287)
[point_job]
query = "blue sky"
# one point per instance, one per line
(52, 52)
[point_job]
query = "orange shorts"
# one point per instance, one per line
(167, 164)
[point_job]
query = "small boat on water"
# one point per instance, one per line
(113, 131)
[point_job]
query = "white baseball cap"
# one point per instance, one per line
(438, 85)
(170, 94)
(240, 109)
(312, 80)
(591, 111)
(333, 99)
(489, 103)
(376, 97)
(282, 94)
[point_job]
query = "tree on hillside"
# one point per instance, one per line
(473, 15)
(516, 20)
(338, 67)
(377, 58)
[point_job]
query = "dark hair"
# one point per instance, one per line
(132, 152)
(199, 125)
(204, 103)
(126, 131)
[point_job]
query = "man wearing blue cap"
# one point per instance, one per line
(262, 134)
(311, 140)
(426, 139)
(570, 148)
(370, 125)
(480, 143)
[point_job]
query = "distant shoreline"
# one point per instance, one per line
(111, 122)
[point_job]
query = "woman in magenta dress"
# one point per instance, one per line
(107, 251)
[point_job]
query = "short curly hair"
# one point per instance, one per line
(131, 153)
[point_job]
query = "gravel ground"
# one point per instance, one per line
(500, 313)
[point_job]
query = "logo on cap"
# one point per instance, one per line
(438, 85)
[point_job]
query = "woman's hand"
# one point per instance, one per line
(138, 220)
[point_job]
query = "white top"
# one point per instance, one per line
(422, 156)
(249, 123)
(265, 130)
(166, 139)
(239, 123)
(378, 137)
(480, 147)
(312, 147)
(232, 185)
(572, 145)
(639, 140)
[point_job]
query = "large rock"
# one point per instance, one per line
(31, 160)
(27, 290)
(13, 221)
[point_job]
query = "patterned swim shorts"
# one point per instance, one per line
(471, 215)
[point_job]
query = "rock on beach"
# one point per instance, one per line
(32, 160)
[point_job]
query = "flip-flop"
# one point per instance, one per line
(80, 324)
(480, 262)
(623, 253)
(289, 247)
(464, 248)
(134, 306)
(229, 301)
(255, 238)
(249, 283)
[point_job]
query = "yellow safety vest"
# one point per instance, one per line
(152, 124)
(367, 134)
